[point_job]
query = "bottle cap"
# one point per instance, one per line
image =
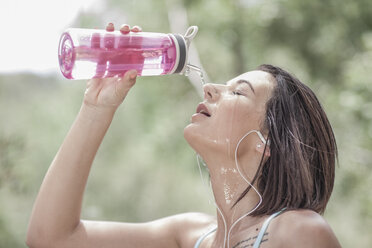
(66, 55)
(182, 47)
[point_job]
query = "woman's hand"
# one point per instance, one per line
(108, 93)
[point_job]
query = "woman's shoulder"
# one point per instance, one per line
(188, 227)
(195, 224)
(302, 228)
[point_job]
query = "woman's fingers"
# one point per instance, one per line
(125, 29)
(110, 27)
(136, 29)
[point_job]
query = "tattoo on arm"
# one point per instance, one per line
(249, 242)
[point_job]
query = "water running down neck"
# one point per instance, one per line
(228, 230)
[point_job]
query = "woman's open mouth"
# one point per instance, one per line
(202, 109)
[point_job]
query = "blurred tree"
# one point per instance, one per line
(10, 149)
(7, 239)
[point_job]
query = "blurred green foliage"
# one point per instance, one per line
(144, 169)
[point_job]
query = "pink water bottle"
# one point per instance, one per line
(87, 53)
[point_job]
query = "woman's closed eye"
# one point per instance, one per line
(239, 93)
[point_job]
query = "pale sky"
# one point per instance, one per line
(30, 31)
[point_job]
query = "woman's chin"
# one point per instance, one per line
(189, 133)
(201, 143)
(196, 140)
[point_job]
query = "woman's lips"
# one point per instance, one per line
(202, 109)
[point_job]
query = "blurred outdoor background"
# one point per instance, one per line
(144, 169)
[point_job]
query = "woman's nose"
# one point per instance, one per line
(211, 92)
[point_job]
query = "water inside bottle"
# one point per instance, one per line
(108, 55)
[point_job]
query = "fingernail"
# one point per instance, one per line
(133, 74)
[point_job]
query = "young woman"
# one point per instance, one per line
(269, 148)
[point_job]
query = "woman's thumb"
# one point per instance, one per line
(130, 77)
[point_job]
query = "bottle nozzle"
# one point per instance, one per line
(193, 67)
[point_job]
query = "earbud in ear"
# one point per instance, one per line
(260, 148)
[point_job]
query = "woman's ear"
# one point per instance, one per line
(261, 148)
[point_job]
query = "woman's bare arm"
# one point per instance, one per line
(55, 219)
(56, 212)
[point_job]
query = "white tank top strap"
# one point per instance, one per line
(264, 228)
(260, 235)
(197, 244)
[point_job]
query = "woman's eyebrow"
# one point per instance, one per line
(246, 82)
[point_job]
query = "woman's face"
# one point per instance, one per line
(229, 111)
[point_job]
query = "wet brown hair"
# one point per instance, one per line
(299, 174)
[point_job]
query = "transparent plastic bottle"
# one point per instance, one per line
(87, 53)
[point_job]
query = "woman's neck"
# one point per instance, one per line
(227, 185)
